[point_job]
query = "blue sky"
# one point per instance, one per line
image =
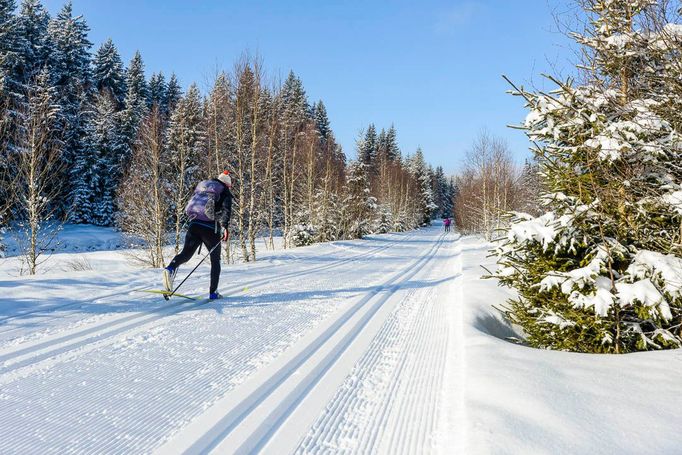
(433, 68)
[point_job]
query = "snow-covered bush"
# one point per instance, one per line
(384, 221)
(399, 225)
(601, 270)
(326, 216)
(302, 234)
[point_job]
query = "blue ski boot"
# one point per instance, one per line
(215, 296)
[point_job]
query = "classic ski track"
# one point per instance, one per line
(54, 308)
(263, 428)
(109, 295)
(100, 440)
(18, 357)
(406, 334)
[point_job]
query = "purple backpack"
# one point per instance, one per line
(203, 202)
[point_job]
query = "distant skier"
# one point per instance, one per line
(209, 210)
(447, 223)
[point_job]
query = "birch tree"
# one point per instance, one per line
(37, 166)
(144, 199)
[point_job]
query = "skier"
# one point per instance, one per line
(209, 212)
(447, 223)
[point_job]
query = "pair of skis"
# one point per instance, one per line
(167, 294)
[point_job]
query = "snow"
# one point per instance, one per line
(76, 237)
(645, 292)
(390, 344)
(674, 199)
(542, 229)
(609, 147)
(666, 267)
(523, 400)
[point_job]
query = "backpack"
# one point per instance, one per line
(203, 202)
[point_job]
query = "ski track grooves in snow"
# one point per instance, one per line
(18, 357)
(394, 384)
(62, 306)
(264, 404)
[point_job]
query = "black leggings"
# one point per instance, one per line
(196, 235)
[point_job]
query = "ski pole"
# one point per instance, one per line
(167, 297)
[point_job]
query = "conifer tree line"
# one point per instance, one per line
(122, 149)
(407, 192)
(599, 269)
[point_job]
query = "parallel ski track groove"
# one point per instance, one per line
(171, 407)
(216, 434)
(422, 385)
(412, 340)
(108, 329)
(367, 364)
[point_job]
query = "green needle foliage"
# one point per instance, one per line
(601, 269)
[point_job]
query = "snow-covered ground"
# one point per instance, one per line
(385, 345)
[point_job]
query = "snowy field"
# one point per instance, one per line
(385, 345)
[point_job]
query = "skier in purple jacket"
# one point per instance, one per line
(209, 211)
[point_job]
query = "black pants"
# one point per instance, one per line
(196, 235)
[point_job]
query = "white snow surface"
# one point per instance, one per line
(385, 345)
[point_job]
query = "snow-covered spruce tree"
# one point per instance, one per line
(423, 192)
(368, 146)
(387, 144)
(439, 186)
(295, 118)
(321, 121)
(135, 102)
(38, 49)
(12, 51)
(108, 75)
(84, 168)
(601, 270)
(109, 143)
(173, 95)
(72, 77)
(359, 206)
(326, 215)
(384, 220)
(157, 90)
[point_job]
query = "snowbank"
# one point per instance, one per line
(523, 400)
(77, 238)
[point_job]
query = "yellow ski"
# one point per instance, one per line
(166, 293)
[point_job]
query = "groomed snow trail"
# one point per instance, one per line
(340, 349)
(390, 402)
